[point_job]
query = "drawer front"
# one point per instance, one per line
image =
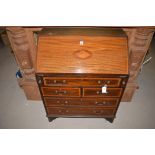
(59, 111)
(97, 92)
(100, 102)
(57, 81)
(60, 92)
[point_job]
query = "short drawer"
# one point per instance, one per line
(98, 112)
(60, 92)
(100, 102)
(97, 92)
(58, 81)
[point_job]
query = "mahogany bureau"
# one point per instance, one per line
(82, 72)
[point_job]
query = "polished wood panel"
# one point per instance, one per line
(101, 102)
(84, 112)
(60, 92)
(84, 31)
(61, 81)
(97, 92)
(82, 54)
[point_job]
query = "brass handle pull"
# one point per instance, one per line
(101, 103)
(99, 82)
(61, 92)
(64, 81)
(100, 93)
(108, 82)
(103, 82)
(59, 82)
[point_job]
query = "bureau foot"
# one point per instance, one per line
(50, 119)
(110, 119)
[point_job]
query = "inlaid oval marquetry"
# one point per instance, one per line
(82, 54)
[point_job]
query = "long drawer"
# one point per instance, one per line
(60, 92)
(100, 102)
(61, 81)
(97, 92)
(63, 111)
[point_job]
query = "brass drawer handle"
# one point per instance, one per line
(59, 82)
(66, 102)
(102, 103)
(100, 93)
(64, 81)
(103, 82)
(108, 82)
(58, 101)
(61, 92)
(99, 82)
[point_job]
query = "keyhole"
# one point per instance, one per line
(81, 42)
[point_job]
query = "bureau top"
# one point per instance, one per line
(85, 31)
(82, 50)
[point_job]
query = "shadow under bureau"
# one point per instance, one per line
(82, 72)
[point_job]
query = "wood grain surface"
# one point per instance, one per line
(98, 54)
